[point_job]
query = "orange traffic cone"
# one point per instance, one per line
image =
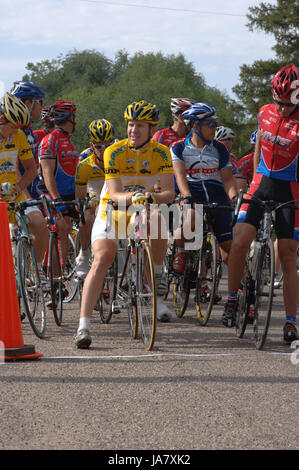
(11, 339)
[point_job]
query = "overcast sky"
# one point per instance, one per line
(212, 36)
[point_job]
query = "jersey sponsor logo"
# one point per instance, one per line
(115, 153)
(68, 162)
(162, 153)
(275, 139)
(110, 171)
(7, 167)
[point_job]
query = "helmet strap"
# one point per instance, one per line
(207, 142)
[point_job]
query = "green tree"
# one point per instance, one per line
(282, 21)
(101, 87)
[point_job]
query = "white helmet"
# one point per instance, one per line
(224, 133)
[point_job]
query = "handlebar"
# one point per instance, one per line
(269, 205)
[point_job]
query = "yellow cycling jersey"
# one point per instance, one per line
(89, 174)
(138, 170)
(12, 150)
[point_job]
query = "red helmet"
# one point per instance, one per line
(61, 110)
(282, 81)
(179, 105)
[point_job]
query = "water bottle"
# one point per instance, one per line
(14, 235)
(6, 190)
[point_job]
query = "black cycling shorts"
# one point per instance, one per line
(270, 189)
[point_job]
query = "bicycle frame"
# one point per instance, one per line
(258, 283)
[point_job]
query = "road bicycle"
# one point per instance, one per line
(59, 274)
(255, 297)
(31, 291)
(134, 289)
(203, 268)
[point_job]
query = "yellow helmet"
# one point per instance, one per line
(13, 110)
(100, 130)
(142, 111)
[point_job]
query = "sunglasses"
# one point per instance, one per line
(210, 124)
(283, 105)
(102, 146)
(41, 102)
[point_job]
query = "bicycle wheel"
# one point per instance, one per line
(264, 289)
(146, 296)
(125, 294)
(243, 305)
(206, 282)
(70, 283)
(181, 287)
(32, 295)
(108, 293)
(56, 280)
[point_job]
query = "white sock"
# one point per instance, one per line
(84, 323)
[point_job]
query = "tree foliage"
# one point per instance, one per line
(282, 21)
(103, 88)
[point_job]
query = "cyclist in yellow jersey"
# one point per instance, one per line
(15, 148)
(132, 167)
(89, 179)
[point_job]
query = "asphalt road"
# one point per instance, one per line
(200, 388)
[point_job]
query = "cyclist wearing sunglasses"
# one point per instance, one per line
(48, 124)
(276, 177)
(58, 161)
(178, 130)
(132, 168)
(226, 136)
(32, 95)
(89, 180)
(203, 172)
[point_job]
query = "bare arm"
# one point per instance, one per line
(48, 169)
(257, 152)
(28, 176)
(179, 171)
(80, 192)
(229, 182)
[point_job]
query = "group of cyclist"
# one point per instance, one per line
(192, 158)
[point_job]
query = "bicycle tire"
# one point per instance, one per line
(243, 305)
(70, 281)
(125, 294)
(208, 277)
(146, 295)
(56, 279)
(181, 288)
(32, 295)
(264, 292)
(108, 293)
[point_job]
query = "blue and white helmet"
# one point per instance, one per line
(199, 112)
(24, 90)
(253, 138)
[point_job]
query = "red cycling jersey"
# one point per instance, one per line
(39, 134)
(166, 136)
(245, 168)
(279, 144)
(58, 146)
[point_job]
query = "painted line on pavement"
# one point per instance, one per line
(149, 355)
